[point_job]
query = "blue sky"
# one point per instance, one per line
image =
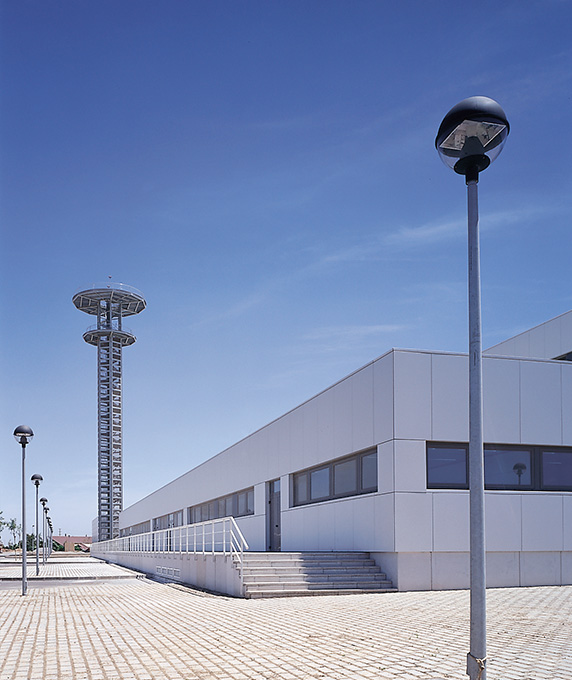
(264, 171)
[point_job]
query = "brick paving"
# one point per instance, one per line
(61, 568)
(136, 629)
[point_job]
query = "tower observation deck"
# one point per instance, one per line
(109, 303)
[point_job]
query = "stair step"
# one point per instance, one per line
(297, 574)
(309, 564)
(331, 585)
(305, 593)
(302, 578)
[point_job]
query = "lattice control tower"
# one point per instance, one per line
(110, 303)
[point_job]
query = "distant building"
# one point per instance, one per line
(72, 543)
(378, 463)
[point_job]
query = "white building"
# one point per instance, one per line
(378, 463)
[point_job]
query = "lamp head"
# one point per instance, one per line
(43, 501)
(23, 434)
(37, 479)
(472, 135)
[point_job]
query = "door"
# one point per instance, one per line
(273, 516)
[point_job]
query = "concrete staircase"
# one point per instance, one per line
(276, 574)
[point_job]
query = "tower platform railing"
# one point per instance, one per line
(111, 285)
(95, 327)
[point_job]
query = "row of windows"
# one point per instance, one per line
(517, 468)
(234, 505)
(173, 519)
(350, 476)
(522, 468)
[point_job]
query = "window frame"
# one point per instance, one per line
(551, 449)
(536, 461)
(447, 485)
(512, 487)
(212, 506)
(330, 466)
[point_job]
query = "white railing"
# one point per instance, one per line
(216, 536)
(114, 328)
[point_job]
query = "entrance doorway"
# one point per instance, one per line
(273, 515)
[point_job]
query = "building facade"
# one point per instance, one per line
(378, 463)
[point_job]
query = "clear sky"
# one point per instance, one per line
(264, 171)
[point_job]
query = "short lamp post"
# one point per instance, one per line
(471, 136)
(43, 501)
(37, 479)
(23, 435)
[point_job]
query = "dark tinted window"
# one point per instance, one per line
(348, 476)
(447, 467)
(508, 468)
(556, 469)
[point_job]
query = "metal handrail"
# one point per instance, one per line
(95, 327)
(111, 285)
(215, 536)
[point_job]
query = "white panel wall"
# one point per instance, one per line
(342, 421)
(449, 400)
(501, 401)
(546, 341)
(412, 395)
(362, 409)
(503, 521)
(383, 398)
(541, 409)
(542, 522)
(359, 523)
(385, 468)
(413, 522)
(540, 568)
(567, 522)
(327, 443)
(566, 377)
(409, 466)
(450, 521)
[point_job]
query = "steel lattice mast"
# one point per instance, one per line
(110, 303)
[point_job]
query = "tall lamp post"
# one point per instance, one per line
(37, 479)
(43, 501)
(23, 435)
(50, 534)
(471, 136)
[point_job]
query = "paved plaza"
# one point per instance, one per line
(100, 622)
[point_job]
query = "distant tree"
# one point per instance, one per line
(30, 542)
(14, 528)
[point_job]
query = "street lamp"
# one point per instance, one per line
(470, 137)
(48, 522)
(23, 435)
(37, 479)
(50, 534)
(43, 501)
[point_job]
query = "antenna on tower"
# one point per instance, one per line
(109, 303)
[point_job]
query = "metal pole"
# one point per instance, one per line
(476, 659)
(24, 564)
(37, 534)
(44, 535)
